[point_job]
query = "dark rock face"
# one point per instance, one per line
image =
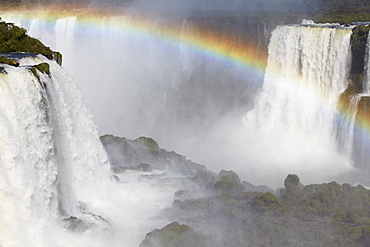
(358, 47)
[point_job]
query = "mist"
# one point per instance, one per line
(187, 99)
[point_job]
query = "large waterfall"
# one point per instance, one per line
(51, 156)
(366, 81)
(296, 117)
(56, 187)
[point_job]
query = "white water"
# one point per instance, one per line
(53, 166)
(293, 123)
(346, 127)
(366, 82)
(51, 157)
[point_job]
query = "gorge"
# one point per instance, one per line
(212, 95)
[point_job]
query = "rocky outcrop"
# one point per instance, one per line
(144, 154)
(174, 235)
(358, 48)
(43, 68)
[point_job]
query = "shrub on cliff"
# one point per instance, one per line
(15, 39)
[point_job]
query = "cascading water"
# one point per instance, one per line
(295, 115)
(51, 156)
(346, 128)
(366, 82)
(55, 187)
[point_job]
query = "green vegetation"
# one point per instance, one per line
(342, 11)
(326, 214)
(15, 39)
(174, 235)
(43, 68)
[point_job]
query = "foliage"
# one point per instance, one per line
(326, 214)
(173, 235)
(291, 181)
(43, 68)
(15, 39)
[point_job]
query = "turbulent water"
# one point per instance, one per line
(51, 157)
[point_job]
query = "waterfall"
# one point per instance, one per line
(346, 127)
(51, 157)
(366, 82)
(295, 115)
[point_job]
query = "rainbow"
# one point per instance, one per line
(219, 46)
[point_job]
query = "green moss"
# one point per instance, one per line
(43, 68)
